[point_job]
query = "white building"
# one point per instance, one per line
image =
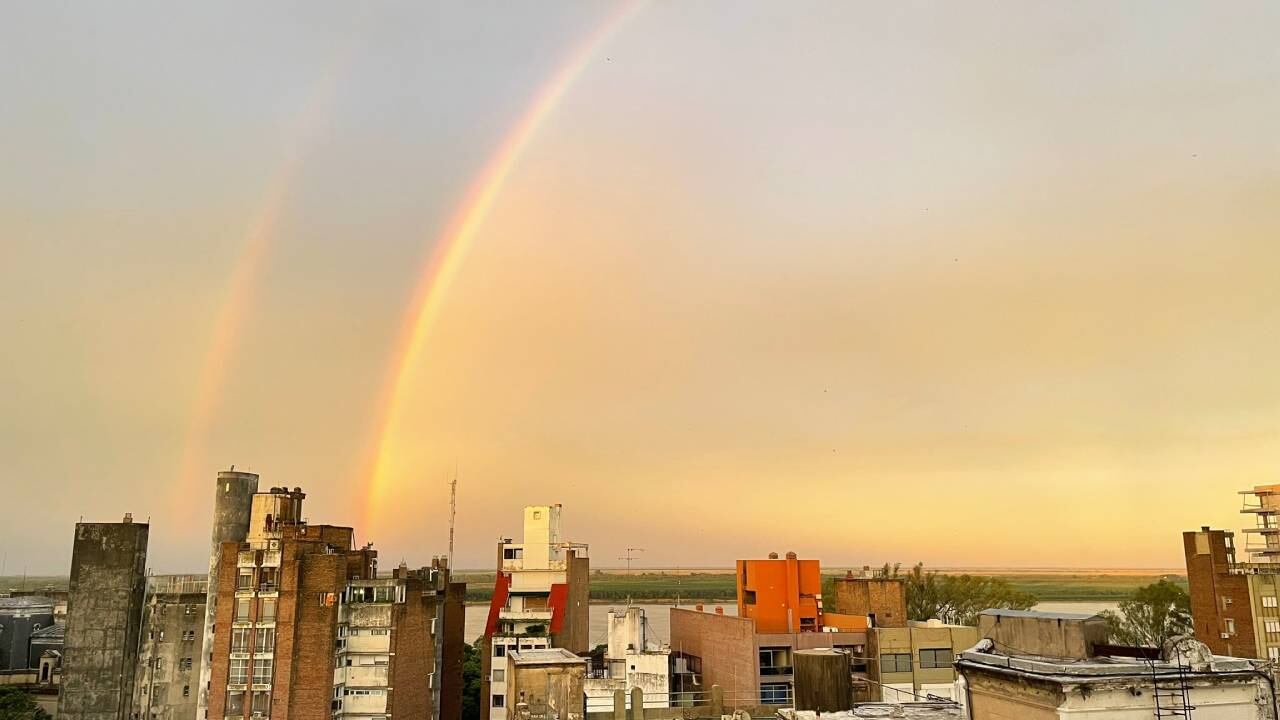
(540, 601)
(631, 661)
(1042, 666)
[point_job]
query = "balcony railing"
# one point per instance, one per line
(775, 670)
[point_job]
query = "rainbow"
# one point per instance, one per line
(453, 244)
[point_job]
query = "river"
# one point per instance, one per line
(659, 616)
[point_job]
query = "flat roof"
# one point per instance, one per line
(910, 711)
(545, 656)
(1038, 614)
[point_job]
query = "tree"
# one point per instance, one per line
(17, 704)
(957, 599)
(1151, 615)
(471, 681)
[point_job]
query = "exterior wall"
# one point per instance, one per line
(168, 671)
(452, 644)
(1045, 635)
(19, 618)
(884, 599)
(781, 595)
(104, 618)
(727, 647)
(549, 691)
(994, 697)
(232, 499)
(1220, 599)
(575, 635)
(913, 641)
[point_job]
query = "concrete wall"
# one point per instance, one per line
(104, 619)
(168, 668)
(549, 690)
(232, 500)
(1042, 634)
(885, 598)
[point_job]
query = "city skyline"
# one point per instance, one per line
(979, 286)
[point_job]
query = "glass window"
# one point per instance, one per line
(186, 691)
(1231, 626)
(262, 702)
(184, 664)
(775, 693)
(499, 701)
(1273, 654)
(245, 580)
(239, 640)
(499, 675)
(1273, 626)
(235, 703)
(895, 662)
(269, 578)
(499, 650)
(936, 658)
(261, 671)
(382, 594)
(266, 609)
(1269, 601)
(242, 609)
(265, 641)
(239, 671)
(749, 597)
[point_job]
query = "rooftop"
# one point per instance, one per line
(545, 656)
(1038, 614)
(910, 711)
(1196, 657)
(53, 632)
(25, 601)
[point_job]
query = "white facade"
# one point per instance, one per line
(632, 661)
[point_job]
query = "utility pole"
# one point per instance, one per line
(631, 555)
(453, 512)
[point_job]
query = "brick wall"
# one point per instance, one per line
(1210, 585)
(726, 645)
(413, 652)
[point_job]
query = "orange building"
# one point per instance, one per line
(781, 595)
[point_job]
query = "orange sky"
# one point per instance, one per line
(871, 284)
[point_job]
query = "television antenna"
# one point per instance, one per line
(631, 555)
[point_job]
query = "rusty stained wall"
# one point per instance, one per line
(104, 619)
(168, 667)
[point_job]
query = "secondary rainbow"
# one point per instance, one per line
(451, 248)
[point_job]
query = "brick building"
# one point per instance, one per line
(882, 600)
(305, 629)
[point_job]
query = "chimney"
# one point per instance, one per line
(773, 556)
(128, 518)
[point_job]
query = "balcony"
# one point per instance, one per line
(526, 615)
(772, 670)
(1254, 568)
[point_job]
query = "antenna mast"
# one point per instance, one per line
(631, 555)
(453, 511)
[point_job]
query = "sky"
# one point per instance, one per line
(974, 284)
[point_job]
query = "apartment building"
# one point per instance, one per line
(540, 600)
(166, 686)
(546, 684)
(631, 660)
(306, 630)
(783, 595)
(1234, 605)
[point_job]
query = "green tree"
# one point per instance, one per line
(1151, 615)
(470, 681)
(957, 599)
(17, 704)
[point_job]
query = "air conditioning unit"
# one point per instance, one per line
(273, 544)
(1225, 635)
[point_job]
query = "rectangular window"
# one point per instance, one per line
(186, 691)
(499, 701)
(775, 693)
(499, 675)
(1231, 626)
(1226, 601)
(189, 610)
(239, 671)
(261, 671)
(266, 609)
(242, 609)
(932, 658)
(1273, 626)
(1269, 601)
(380, 631)
(184, 664)
(512, 553)
(499, 650)
(775, 661)
(261, 702)
(382, 594)
(749, 597)
(895, 662)
(235, 704)
(269, 578)
(265, 640)
(188, 635)
(1273, 654)
(245, 580)
(240, 640)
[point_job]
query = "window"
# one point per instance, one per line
(931, 658)
(1273, 626)
(245, 580)
(382, 594)
(749, 597)
(261, 671)
(239, 671)
(184, 664)
(380, 631)
(261, 702)
(512, 553)
(775, 661)
(499, 701)
(188, 635)
(499, 650)
(499, 675)
(1269, 601)
(242, 609)
(186, 691)
(775, 693)
(1231, 626)
(265, 640)
(235, 703)
(895, 662)
(266, 609)
(239, 640)
(189, 609)
(269, 578)
(1226, 601)
(1273, 654)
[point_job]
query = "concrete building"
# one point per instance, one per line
(882, 600)
(45, 653)
(1234, 605)
(754, 668)
(104, 620)
(306, 630)
(781, 595)
(1044, 666)
(631, 660)
(541, 599)
(232, 506)
(20, 618)
(916, 663)
(546, 684)
(166, 686)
